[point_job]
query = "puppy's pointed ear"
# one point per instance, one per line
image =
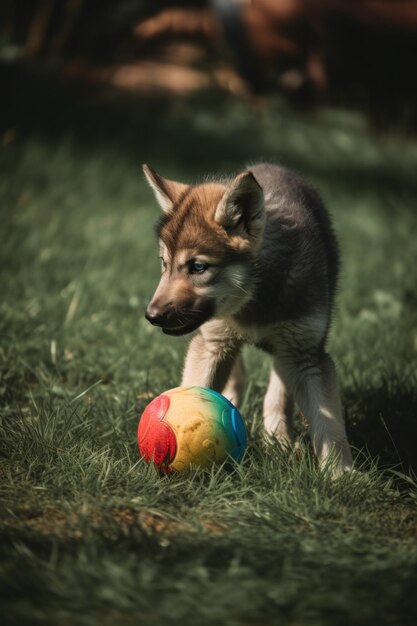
(241, 210)
(167, 192)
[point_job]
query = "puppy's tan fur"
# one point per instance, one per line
(254, 260)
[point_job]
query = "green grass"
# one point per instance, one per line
(89, 533)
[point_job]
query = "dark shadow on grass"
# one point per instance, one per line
(383, 422)
(194, 134)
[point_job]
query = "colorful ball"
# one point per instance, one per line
(190, 426)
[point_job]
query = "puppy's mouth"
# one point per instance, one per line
(182, 330)
(191, 325)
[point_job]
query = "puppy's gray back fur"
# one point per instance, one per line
(298, 261)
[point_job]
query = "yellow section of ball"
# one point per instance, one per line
(201, 439)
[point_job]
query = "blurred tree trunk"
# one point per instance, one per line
(38, 29)
(71, 12)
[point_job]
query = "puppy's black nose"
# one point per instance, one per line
(154, 316)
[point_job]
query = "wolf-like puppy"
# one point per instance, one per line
(254, 260)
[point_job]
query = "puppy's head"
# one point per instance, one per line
(208, 237)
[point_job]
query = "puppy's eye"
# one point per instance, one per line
(197, 267)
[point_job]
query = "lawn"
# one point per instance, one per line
(91, 534)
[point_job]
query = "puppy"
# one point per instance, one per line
(253, 260)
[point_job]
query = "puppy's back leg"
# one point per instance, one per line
(278, 409)
(315, 388)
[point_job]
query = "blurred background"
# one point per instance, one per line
(360, 53)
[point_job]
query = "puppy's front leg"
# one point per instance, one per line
(278, 409)
(235, 385)
(210, 357)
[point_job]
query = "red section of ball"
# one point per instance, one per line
(156, 439)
